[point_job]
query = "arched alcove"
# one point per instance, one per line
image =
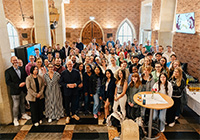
(91, 30)
(126, 31)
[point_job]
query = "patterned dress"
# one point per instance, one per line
(53, 97)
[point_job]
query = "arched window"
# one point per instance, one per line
(126, 32)
(13, 36)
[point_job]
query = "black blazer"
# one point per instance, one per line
(13, 80)
(70, 78)
(110, 91)
(63, 48)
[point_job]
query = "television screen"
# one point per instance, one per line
(185, 23)
(30, 50)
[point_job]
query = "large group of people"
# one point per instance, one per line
(60, 81)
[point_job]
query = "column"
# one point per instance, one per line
(5, 54)
(167, 17)
(60, 30)
(42, 22)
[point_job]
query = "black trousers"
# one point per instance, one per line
(37, 108)
(132, 112)
(171, 112)
(73, 100)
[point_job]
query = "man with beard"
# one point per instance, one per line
(58, 67)
(15, 77)
(112, 54)
(75, 64)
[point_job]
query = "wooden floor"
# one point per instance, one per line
(187, 127)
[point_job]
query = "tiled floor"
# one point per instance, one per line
(187, 128)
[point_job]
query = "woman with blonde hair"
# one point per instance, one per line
(135, 86)
(121, 59)
(146, 63)
(41, 69)
(178, 84)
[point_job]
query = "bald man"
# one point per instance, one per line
(15, 79)
(70, 79)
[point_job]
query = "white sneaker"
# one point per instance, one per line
(40, 122)
(25, 116)
(16, 123)
(36, 124)
(172, 124)
(162, 130)
(176, 118)
(49, 120)
(67, 120)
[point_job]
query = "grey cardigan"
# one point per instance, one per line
(31, 88)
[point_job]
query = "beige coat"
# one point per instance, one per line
(31, 88)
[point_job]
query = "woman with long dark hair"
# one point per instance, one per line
(120, 93)
(178, 84)
(96, 84)
(80, 87)
(135, 86)
(165, 87)
(86, 87)
(163, 62)
(107, 92)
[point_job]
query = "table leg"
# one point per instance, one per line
(150, 123)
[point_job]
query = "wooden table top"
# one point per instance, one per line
(155, 106)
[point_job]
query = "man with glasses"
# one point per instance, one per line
(15, 79)
(70, 79)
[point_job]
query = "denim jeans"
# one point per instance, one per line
(18, 102)
(96, 106)
(162, 117)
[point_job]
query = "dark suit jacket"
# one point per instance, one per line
(63, 48)
(70, 78)
(13, 80)
(110, 90)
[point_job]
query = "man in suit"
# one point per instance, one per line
(60, 51)
(70, 80)
(15, 79)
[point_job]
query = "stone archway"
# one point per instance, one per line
(91, 30)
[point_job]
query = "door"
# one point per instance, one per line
(90, 31)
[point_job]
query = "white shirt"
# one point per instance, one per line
(167, 55)
(162, 88)
(113, 69)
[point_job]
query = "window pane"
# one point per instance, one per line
(125, 33)
(13, 36)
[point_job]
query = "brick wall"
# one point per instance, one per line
(13, 14)
(155, 19)
(106, 12)
(187, 46)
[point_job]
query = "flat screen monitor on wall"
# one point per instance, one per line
(23, 52)
(31, 50)
(185, 23)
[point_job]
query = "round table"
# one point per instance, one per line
(169, 104)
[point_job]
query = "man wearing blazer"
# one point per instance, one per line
(15, 79)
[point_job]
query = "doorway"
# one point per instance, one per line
(90, 31)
